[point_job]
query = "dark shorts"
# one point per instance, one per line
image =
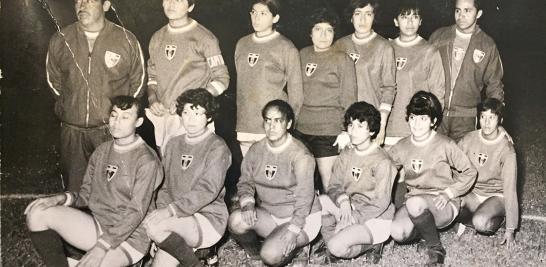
(320, 145)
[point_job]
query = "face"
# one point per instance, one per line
(363, 19)
(322, 36)
(123, 123)
(176, 9)
(275, 126)
(420, 126)
(408, 24)
(466, 15)
(490, 123)
(262, 18)
(91, 13)
(359, 132)
(194, 119)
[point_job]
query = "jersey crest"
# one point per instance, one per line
(401, 62)
(186, 161)
(458, 53)
(482, 158)
(270, 171)
(354, 57)
(253, 59)
(416, 165)
(478, 56)
(111, 171)
(170, 51)
(356, 172)
(310, 68)
(111, 59)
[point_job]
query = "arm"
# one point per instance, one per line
(465, 175)
(348, 83)
(220, 76)
(493, 75)
(304, 191)
(53, 69)
(336, 189)
(509, 177)
(435, 75)
(294, 80)
(81, 199)
(246, 187)
(136, 72)
(384, 176)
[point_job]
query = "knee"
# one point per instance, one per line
(416, 206)
(37, 219)
(337, 248)
(271, 254)
(236, 225)
(399, 232)
(483, 224)
(156, 233)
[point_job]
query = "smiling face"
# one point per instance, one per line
(123, 123)
(360, 134)
(90, 13)
(490, 124)
(276, 126)
(194, 119)
(409, 25)
(322, 36)
(362, 20)
(420, 126)
(466, 15)
(262, 19)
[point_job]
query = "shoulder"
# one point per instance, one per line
(306, 50)
(157, 34)
(205, 33)
(119, 31)
(219, 145)
(300, 148)
(245, 40)
(474, 135)
(484, 38)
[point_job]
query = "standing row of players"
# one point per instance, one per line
(321, 82)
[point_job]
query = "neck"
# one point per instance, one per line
(467, 30)
(492, 136)
(95, 27)
(179, 23)
(279, 142)
(317, 49)
(265, 33)
(198, 134)
(407, 38)
(364, 145)
(125, 140)
(422, 137)
(363, 35)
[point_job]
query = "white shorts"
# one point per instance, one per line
(482, 199)
(313, 222)
(380, 229)
(208, 236)
(132, 254)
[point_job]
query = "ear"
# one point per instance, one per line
(190, 8)
(396, 22)
(480, 13)
(500, 122)
(106, 5)
(139, 122)
(209, 120)
(433, 122)
(288, 125)
(276, 18)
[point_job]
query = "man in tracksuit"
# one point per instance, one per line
(91, 61)
(471, 64)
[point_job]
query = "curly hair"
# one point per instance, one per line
(323, 15)
(363, 111)
(124, 102)
(197, 97)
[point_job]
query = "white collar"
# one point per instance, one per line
(367, 151)
(462, 34)
(128, 147)
(424, 142)
(408, 44)
(363, 40)
(494, 141)
(266, 38)
(197, 139)
(280, 148)
(182, 29)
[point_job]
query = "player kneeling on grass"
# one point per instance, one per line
(191, 212)
(428, 159)
(494, 195)
(357, 211)
(117, 188)
(277, 174)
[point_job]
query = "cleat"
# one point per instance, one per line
(436, 256)
(375, 253)
(460, 229)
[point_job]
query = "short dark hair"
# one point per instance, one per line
(197, 97)
(283, 107)
(124, 102)
(363, 111)
(492, 104)
(323, 15)
(425, 103)
(273, 5)
(191, 2)
(407, 6)
(354, 4)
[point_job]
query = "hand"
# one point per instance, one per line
(248, 212)
(45, 202)
(380, 138)
(343, 140)
(158, 109)
(440, 201)
(92, 258)
(346, 216)
(509, 239)
(288, 240)
(157, 216)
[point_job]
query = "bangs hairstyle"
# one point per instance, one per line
(124, 102)
(273, 5)
(283, 107)
(363, 111)
(354, 4)
(324, 15)
(425, 103)
(407, 6)
(492, 104)
(197, 97)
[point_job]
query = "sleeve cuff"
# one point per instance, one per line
(245, 200)
(342, 198)
(103, 244)
(385, 106)
(294, 229)
(172, 210)
(152, 82)
(448, 192)
(218, 87)
(69, 199)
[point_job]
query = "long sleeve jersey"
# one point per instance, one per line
(83, 82)
(185, 58)
(281, 178)
(366, 179)
(268, 68)
(497, 170)
(428, 166)
(375, 70)
(195, 171)
(481, 70)
(329, 88)
(118, 187)
(418, 67)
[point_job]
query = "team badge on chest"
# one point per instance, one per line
(354, 57)
(401, 62)
(310, 68)
(253, 59)
(416, 165)
(111, 171)
(478, 56)
(170, 51)
(186, 161)
(270, 171)
(356, 172)
(111, 59)
(482, 158)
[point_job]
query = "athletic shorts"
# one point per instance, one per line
(481, 199)
(136, 245)
(320, 146)
(454, 203)
(380, 229)
(208, 236)
(312, 225)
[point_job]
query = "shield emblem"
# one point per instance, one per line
(111, 171)
(458, 53)
(170, 50)
(482, 158)
(401, 62)
(186, 161)
(253, 59)
(354, 57)
(111, 59)
(310, 68)
(478, 56)
(356, 172)
(416, 165)
(270, 171)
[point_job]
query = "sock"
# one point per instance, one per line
(426, 226)
(465, 216)
(178, 248)
(50, 247)
(249, 242)
(328, 228)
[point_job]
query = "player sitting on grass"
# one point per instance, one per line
(276, 192)
(191, 212)
(494, 195)
(357, 211)
(428, 159)
(117, 188)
